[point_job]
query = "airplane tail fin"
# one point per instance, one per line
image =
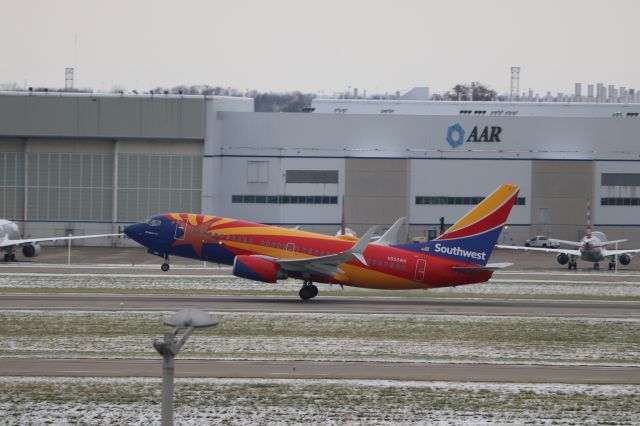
(473, 237)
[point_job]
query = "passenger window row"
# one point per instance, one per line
(238, 238)
(387, 265)
(304, 250)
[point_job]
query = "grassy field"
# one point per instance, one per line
(319, 336)
(330, 336)
(239, 402)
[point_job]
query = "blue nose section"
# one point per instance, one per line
(134, 231)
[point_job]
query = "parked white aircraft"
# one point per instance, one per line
(10, 240)
(591, 248)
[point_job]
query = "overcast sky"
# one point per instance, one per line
(321, 45)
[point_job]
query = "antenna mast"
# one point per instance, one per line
(515, 84)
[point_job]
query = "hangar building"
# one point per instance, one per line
(92, 163)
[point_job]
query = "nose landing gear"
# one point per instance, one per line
(308, 290)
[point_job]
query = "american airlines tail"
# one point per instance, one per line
(473, 238)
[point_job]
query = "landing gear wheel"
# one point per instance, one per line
(6, 257)
(573, 265)
(12, 257)
(308, 291)
(314, 290)
(165, 266)
(596, 266)
(612, 265)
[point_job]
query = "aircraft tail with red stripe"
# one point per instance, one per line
(473, 238)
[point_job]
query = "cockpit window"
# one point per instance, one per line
(154, 222)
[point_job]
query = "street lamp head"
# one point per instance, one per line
(186, 318)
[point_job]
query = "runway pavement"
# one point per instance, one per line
(343, 305)
(323, 370)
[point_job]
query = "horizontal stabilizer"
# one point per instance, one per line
(488, 268)
(569, 243)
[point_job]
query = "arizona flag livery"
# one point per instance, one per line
(269, 253)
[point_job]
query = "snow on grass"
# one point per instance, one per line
(330, 336)
(514, 287)
(621, 289)
(41, 400)
(167, 283)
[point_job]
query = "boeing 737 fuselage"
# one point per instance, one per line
(268, 253)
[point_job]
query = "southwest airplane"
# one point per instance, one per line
(10, 240)
(268, 253)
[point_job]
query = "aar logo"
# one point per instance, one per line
(456, 134)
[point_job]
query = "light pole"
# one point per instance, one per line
(186, 320)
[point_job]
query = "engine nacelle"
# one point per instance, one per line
(625, 258)
(563, 258)
(33, 250)
(257, 269)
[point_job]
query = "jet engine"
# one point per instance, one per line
(625, 259)
(257, 269)
(33, 250)
(563, 258)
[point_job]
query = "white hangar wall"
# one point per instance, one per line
(267, 177)
(554, 159)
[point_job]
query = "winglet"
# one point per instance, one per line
(391, 236)
(359, 247)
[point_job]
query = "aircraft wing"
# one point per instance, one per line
(326, 265)
(606, 243)
(546, 250)
(607, 253)
(10, 243)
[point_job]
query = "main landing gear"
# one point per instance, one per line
(9, 257)
(612, 266)
(596, 266)
(165, 266)
(308, 290)
(573, 265)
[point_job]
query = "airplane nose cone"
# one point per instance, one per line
(133, 231)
